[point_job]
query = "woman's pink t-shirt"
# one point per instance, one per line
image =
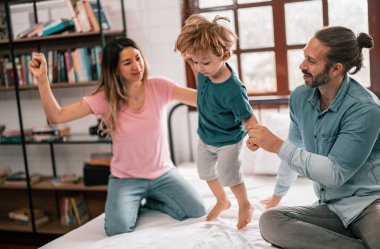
(140, 146)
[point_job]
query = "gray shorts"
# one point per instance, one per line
(221, 163)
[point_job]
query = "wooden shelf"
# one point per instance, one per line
(44, 194)
(9, 225)
(13, 186)
(46, 184)
(71, 36)
(68, 36)
(54, 227)
(53, 86)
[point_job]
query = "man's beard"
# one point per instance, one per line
(319, 79)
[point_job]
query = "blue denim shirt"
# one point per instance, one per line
(338, 148)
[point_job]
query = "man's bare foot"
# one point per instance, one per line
(245, 215)
(219, 207)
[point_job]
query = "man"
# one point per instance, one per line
(333, 140)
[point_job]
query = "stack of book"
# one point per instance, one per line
(73, 211)
(67, 178)
(83, 18)
(49, 27)
(19, 178)
(4, 172)
(23, 216)
(3, 24)
(50, 133)
(14, 136)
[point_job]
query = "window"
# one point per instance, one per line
(272, 35)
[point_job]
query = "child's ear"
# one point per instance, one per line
(226, 55)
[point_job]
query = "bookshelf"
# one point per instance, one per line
(44, 194)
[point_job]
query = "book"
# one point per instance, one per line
(38, 28)
(25, 32)
(82, 16)
(100, 159)
(19, 178)
(52, 130)
(3, 24)
(91, 16)
(4, 171)
(67, 178)
(57, 26)
(23, 214)
(14, 136)
(79, 209)
(37, 221)
(73, 16)
(105, 20)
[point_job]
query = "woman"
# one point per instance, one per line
(132, 107)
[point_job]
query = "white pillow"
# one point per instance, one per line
(261, 161)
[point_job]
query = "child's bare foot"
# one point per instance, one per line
(219, 207)
(245, 215)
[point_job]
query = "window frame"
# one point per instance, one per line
(280, 47)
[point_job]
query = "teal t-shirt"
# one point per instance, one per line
(222, 107)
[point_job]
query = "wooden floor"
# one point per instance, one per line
(23, 240)
(16, 246)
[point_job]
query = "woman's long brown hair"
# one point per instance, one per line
(113, 85)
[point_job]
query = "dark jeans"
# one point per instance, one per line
(318, 227)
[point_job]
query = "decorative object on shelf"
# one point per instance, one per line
(14, 136)
(73, 210)
(23, 216)
(66, 178)
(50, 133)
(3, 24)
(4, 172)
(94, 130)
(2, 128)
(97, 170)
(19, 178)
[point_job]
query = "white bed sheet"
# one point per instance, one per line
(158, 230)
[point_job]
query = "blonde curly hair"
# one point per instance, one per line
(199, 35)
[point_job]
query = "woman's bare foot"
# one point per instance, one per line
(219, 207)
(245, 215)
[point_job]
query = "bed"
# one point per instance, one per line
(158, 230)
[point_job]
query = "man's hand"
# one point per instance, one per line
(261, 136)
(272, 201)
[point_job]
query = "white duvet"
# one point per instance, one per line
(158, 230)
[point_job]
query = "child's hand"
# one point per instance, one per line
(248, 124)
(37, 66)
(251, 145)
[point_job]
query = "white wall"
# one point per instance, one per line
(154, 25)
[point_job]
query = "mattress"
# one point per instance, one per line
(158, 230)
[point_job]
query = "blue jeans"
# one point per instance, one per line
(170, 193)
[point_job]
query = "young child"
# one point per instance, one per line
(223, 106)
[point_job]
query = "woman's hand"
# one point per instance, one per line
(272, 201)
(38, 67)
